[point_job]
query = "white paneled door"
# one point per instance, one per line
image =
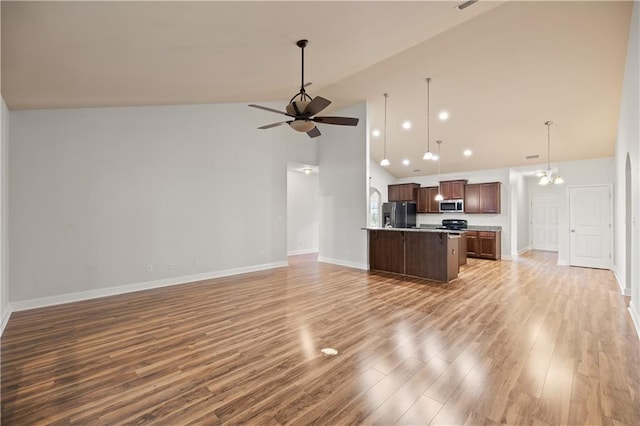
(544, 223)
(590, 226)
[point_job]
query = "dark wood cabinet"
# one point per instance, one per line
(427, 200)
(453, 189)
(403, 192)
(472, 243)
(431, 255)
(386, 251)
(482, 198)
(484, 244)
(462, 249)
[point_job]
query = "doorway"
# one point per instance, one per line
(590, 226)
(303, 199)
(544, 223)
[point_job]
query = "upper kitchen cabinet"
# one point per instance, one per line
(482, 198)
(453, 189)
(403, 192)
(427, 200)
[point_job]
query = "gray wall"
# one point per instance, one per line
(343, 159)
(98, 194)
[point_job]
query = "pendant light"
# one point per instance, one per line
(548, 176)
(428, 155)
(439, 196)
(385, 161)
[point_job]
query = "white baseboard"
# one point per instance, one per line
(562, 262)
(130, 288)
(346, 263)
(519, 252)
(5, 319)
(506, 257)
(302, 251)
(635, 317)
(623, 290)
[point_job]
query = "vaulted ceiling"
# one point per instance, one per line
(501, 69)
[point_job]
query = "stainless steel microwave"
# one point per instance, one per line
(452, 206)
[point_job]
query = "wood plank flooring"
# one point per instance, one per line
(516, 342)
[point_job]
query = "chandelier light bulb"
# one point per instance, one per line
(427, 156)
(384, 162)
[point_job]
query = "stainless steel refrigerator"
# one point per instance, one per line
(399, 215)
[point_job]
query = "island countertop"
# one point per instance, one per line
(454, 234)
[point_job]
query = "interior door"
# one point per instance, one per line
(544, 223)
(590, 226)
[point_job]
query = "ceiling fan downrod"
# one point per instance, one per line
(303, 94)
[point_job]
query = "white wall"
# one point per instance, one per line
(343, 158)
(4, 210)
(98, 194)
(502, 219)
(520, 213)
(628, 143)
(302, 212)
(379, 179)
(575, 173)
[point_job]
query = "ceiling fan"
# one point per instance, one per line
(303, 108)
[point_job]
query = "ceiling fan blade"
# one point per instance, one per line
(268, 126)
(314, 133)
(341, 121)
(270, 110)
(315, 106)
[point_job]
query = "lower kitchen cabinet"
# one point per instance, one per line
(484, 244)
(386, 251)
(431, 255)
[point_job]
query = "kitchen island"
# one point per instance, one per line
(417, 252)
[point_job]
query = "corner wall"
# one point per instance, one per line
(628, 143)
(343, 159)
(4, 216)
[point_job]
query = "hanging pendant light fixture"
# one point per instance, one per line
(439, 196)
(548, 176)
(428, 155)
(385, 161)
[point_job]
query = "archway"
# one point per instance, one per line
(375, 201)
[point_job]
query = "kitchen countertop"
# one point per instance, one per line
(421, 229)
(469, 228)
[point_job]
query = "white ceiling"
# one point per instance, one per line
(501, 69)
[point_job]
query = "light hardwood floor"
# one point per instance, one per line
(517, 342)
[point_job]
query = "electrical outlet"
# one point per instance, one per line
(149, 267)
(170, 266)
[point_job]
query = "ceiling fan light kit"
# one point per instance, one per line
(303, 108)
(548, 176)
